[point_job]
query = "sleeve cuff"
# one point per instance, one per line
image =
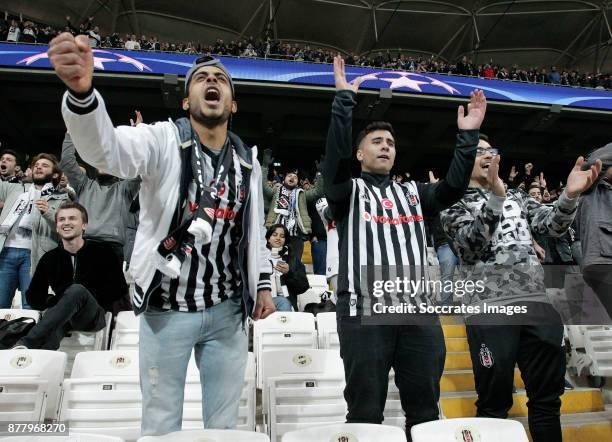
(264, 282)
(81, 103)
(567, 204)
(496, 204)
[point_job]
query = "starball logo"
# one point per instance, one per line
(401, 219)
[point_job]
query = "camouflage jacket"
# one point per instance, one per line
(493, 238)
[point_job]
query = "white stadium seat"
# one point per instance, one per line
(347, 432)
(282, 330)
(103, 394)
(8, 314)
(328, 331)
(78, 342)
(208, 436)
(302, 388)
(126, 332)
(469, 429)
(72, 437)
(30, 384)
(318, 286)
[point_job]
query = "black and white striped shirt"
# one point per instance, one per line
(384, 228)
(211, 273)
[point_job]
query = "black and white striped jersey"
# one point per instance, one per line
(384, 228)
(211, 273)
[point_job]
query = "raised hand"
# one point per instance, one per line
(138, 119)
(340, 77)
(476, 111)
(513, 173)
(496, 184)
(432, 177)
(542, 180)
(72, 60)
(267, 157)
(579, 180)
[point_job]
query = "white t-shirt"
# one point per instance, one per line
(94, 39)
(13, 34)
(19, 237)
(131, 45)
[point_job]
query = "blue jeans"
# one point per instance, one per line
(448, 261)
(221, 349)
(14, 273)
(282, 304)
(319, 255)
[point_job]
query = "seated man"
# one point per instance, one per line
(85, 276)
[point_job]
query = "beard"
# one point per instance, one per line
(210, 121)
(40, 181)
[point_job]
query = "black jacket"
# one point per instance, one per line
(96, 267)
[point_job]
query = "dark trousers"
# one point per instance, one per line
(76, 309)
(538, 351)
(599, 278)
(297, 246)
(417, 355)
(319, 256)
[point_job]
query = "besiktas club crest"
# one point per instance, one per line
(486, 357)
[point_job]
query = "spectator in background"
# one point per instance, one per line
(523, 180)
(107, 199)
(554, 76)
(132, 44)
(27, 226)
(289, 276)
(8, 166)
(318, 240)
(30, 32)
(332, 258)
(14, 30)
(594, 225)
(94, 37)
(86, 278)
(288, 204)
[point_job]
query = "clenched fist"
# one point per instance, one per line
(72, 59)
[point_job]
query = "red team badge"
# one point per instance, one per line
(387, 203)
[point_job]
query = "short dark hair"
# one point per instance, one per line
(10, 152)
(373, 126)
(484, 137)
(54, 161)
(73, 205)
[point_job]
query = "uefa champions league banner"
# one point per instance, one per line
(114, 60)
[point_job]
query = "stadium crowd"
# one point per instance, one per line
(204, 257)
(16, 29)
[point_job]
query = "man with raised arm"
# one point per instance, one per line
(200, 260)
(492, 231)
(380, 223)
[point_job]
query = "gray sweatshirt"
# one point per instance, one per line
(493, 238)
(107, 205)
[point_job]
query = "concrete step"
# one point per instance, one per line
(457, 344)
(580, 400)
(463, 381)
(454, 331)
(459, 360)
(583, 427)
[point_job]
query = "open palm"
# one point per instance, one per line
(580, 180)
(476, 110)
(340, 77)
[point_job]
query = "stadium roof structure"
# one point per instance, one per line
(525, 32)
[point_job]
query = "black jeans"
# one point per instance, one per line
(417, 355)
(538, 351)
(76, 309)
